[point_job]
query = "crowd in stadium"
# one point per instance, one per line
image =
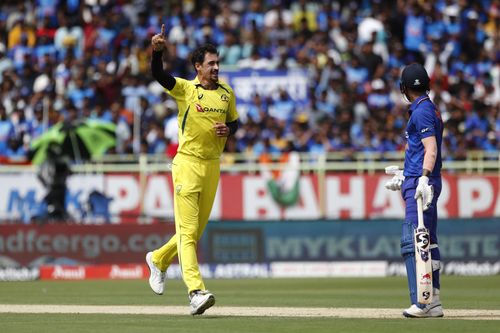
(67, 59)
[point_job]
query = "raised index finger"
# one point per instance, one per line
(162, 30)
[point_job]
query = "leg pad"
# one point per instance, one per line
(408, 254)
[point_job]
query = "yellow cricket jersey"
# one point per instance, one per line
(199, 110)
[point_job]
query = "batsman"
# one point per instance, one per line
(420, 180)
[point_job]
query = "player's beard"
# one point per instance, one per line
(214, 76)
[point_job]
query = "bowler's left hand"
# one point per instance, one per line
(221, 129)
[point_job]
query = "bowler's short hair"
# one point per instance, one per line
(198, 54)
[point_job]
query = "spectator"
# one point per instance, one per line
(5, 62)
(68, 38)
(21, 33)
(415, 32)
(283, 108)
(254, 61)
(230, 51)
(94, 55)
(370, 60)
(6, 131)
(123, 133)
(78, 90)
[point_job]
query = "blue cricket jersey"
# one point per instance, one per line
(425, 120)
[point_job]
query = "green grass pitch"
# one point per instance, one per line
(457, 293)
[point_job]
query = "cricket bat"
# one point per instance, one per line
(423, 258)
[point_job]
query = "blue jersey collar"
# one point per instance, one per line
(416, 102)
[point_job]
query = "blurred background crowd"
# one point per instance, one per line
(66, 59)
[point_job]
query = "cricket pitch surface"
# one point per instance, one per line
(227, 311)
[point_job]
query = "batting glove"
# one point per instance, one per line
(395, 183)
(425, 191)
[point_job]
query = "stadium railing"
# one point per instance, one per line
(475, 162)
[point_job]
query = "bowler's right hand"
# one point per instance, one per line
(158, 41)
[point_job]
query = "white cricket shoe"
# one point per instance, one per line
(156, 276)
(435, 309)
(201, 300)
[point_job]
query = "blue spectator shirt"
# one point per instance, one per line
(435, 30)
(425, 121)
(414, 32)
(379, 100)
(6, 131)
(356, 74)
(77, 95)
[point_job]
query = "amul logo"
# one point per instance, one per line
(68, 273)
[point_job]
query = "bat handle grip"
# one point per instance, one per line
(420, 213)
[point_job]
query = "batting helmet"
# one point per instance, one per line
(414, 77)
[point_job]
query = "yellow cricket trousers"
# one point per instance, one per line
(195, 184)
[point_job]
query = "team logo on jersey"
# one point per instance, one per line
(199, 108)
(224, 98)
(207, 109)
(200, 96)
(178, 189)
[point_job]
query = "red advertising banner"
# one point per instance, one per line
(350, 196)
(106, 272)
(250, 197)
(59, 245)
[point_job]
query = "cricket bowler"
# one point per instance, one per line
(207, 116)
